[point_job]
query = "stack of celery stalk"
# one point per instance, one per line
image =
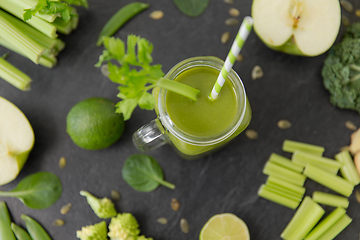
(36, 38)
(285, 185)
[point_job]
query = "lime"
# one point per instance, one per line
(225, 226)
(93, 123)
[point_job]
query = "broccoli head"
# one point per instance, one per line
(341, 71)
(93, 232)
(103, 208)
(123, 227)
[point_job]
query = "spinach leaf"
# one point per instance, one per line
(143, 173)
(39, 190)
(191, 8)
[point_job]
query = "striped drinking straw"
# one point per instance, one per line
(242, 35)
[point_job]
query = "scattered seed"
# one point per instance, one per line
(345, 21)
(257, 72)
(175, 204)
(105, 70)
(231, 22)
(350, 125)
(357, 195)
(162, 220)
(284, 124)
(234, 12)
(156, 15)
(58, 223)
(357, 12)
(229, 1)
(115, 195)
(240, 58)
(65, 209)
(184, 225)
(251, 134)
(62, 163)
(347, 6)
(225, 37)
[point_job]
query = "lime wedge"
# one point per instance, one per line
(225, 226)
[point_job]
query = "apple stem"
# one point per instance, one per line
(295, 10)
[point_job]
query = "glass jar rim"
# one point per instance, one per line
(207, 61)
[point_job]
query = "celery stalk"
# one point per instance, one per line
(62, 26)
(330, 199)
(336, 228)
(43, 40)
(14, 76)
(326, 224)
(334, 182)
(16, 37)
(43, 26)
(305, 218)
(278, 171)
(277, 181)
(292, 146)
(283, 191)
(348, 169)
(29, 4)
(274, 197)
(285, 162)
(327, 164)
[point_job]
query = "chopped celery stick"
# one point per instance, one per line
(277, 181)
(327, 164)
(48, 61)
(29, 4)
(62, 26)
(60, 45)
(334, 182)
(285, 162)
(43, 26)
(330, 199)
(283, 191)
(278, 171)
(14, 76)
(292, 146)
(274, 197)
(74, 18)
(43, 40)
(348, 169)
(336, 228)
(325, 224)
(305, 218)
(26, 45)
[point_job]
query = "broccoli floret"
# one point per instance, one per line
(123, 227)
(93, 232)
(103, 208)
(341, 71)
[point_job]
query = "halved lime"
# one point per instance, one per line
(225, 226)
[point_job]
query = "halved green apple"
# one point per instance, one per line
(299, 27)
(16, 140)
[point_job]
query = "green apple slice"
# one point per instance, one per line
(300, 27)
(16, 141)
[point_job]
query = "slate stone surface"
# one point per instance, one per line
(226, 181)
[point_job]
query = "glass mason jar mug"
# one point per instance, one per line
(195, 128)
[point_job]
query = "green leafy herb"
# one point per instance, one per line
(143, 173)
(54, 7)
(191, 8)
(120, 18)
(39, 190)
(134, 84)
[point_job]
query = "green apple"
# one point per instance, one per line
(16, 140)
(299, 27)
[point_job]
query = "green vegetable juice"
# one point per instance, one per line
(204, 117)
(196, 128)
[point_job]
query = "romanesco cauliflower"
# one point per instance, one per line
(103, 208)
(93, 232)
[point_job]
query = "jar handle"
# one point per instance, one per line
(150, 136)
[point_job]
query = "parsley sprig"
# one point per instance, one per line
(135, 74)
(54, 7)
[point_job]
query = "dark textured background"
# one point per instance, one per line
(226, 181)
